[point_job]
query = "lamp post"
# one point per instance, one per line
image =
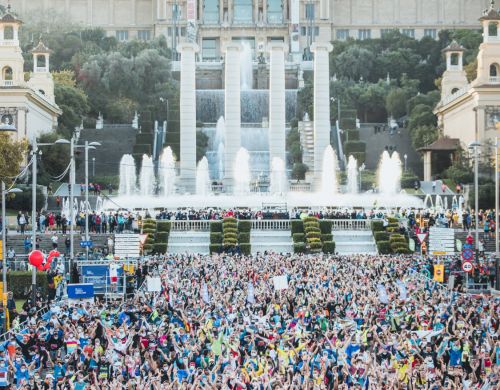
(4, 234)
(93, 166)
(87, 146)
(361, 169)
(406, 159)
(474, 146)
(333, 100)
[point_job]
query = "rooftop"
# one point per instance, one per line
(442, 144)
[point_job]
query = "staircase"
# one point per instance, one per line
(189, 242)
(489, 241)
(306, 131)
(350, 242)
(279, 241)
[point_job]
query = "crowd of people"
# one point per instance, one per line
(265, 321)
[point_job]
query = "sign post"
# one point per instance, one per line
(441, 241)
(421, 238)
(467, 267)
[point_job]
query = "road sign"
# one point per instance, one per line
(421, 237)
(467, 266)
(467, 254)
(86, 244)
(441, 241)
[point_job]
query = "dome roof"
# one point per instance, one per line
(8, 17)
(490, 13)
(41, 48)
(454, 46)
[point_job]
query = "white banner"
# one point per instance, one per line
(204, 293)
(250, 293)
(382, 294)
(280, 282)
(153, 284)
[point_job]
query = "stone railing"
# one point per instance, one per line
(8, 83)
(199, 226)
(351, 224)
(494, 79)
(271, 224)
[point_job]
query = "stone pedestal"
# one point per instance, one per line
(277, 113)
(188, 116)
(232, 111)
(321, 102)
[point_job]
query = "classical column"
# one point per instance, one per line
(427, 165)
(187, 156)
(277, 111)
(321, 101)
(232, 110)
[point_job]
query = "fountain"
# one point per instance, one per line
(389, 174)
(352, 175)
(202, 178)
(246, 75)
(147, 176)
(167, 172)
(128, 178)
(242, 172)
(279, 182)
(329, 175)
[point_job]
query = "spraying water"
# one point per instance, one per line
(246, 70)
(389, 173)
(147, 176)
(219, 146)
(329, 176)
(128, 177)
(352, 175)
(242, 172)
(279, 182)
(167, 171)
(202, 178)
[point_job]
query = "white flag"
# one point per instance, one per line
(250, 293)
(382, 294)
(204, 293)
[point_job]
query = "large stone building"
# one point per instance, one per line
(296, 22)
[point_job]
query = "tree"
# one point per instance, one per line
(12, 155)
(354, 63)
(395, 103)
(423, 135)
(201, 145)
(74, 105)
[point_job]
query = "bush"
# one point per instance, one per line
(299, 248)
(396, 246)
(354, 147)
(401, 249)
(22, 200)
(353, 135)
(19, 282)
(381, 236)
(245, 226)
(215, 238)
(383, 247)
(160, 248)
(310, 219)
(230, 236)
(230, 230)
(163, 226)
(230, 220)
(315, 245)
(246, 249)
(244, 238)
(326, 237)
(297, 226)
(313, 239)
(149, 231)
(329, 247)
(161, 237)
(311, 235)
(325, 226)
(408, 180)
(377, 226)
(298, 237)
(216, 226)
(393, 220)
(215, 248)
(147, 248)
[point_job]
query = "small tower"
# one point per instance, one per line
(11, 58)
(454, 78)
(41, 80)
(488, 59)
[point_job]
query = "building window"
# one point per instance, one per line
(303, 31)
(430, 32)
(493, 29)
(183, 31)
(342, 34)
(386, 31)
(494, 70)
(276, 39)
(7, 73)
(122, 35)
(309, 11)
(243, 11)
(274, 11)
(364, 34)
(144, 35)
(211, 11)
(209, 49)
(409, 32)
(176, 12)
(8, 33)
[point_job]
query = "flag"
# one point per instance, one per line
(204, 293)
(403, 294)
(382, 294)
(250, 293)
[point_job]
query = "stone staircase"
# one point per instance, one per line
(306, 131)
(279, 241)
(16, 241)
(489, 242)
(350, 242)
(189, 242)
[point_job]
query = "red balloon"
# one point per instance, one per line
(35, 258)
(49, 259)
(54, 253)
(46, 266)
(40, 267)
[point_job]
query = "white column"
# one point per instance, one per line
(321, 102)
(187, 156)
(232, 111)
(277, 111)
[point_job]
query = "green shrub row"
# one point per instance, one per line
(329, 247)
(216, 226)
(19, 282)
(325, 226)
(244, 226)
(297, 226)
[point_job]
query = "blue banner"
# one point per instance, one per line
(80, 291)
(98, 275)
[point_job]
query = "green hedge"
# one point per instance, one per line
(383, 247)
(315, 245)
(215, 248)
(381, 236)
(245, 226)
(377, 226)
(353, 135)
(19, 282)
(329, 247)
(215, 238)
(392, 220)
(298, 237)
(246, 249)
(325, 226)
(161, 237)
(159, 248)
(297, 226)
(163, 226)
(359, 156)
(310, 219)
(216, 227)
(354, 147)
(230, 220)
(327, 237)
(244, 238)
(299, 248)
(230, 230)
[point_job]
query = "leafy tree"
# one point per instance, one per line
(12, 154)
(354, 63)
(201, 145)
(395, 103)
(423, 135)
(74, 104)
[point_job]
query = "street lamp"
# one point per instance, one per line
(406, 159)
(4, 233)
(93, 166)
(474, 146)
